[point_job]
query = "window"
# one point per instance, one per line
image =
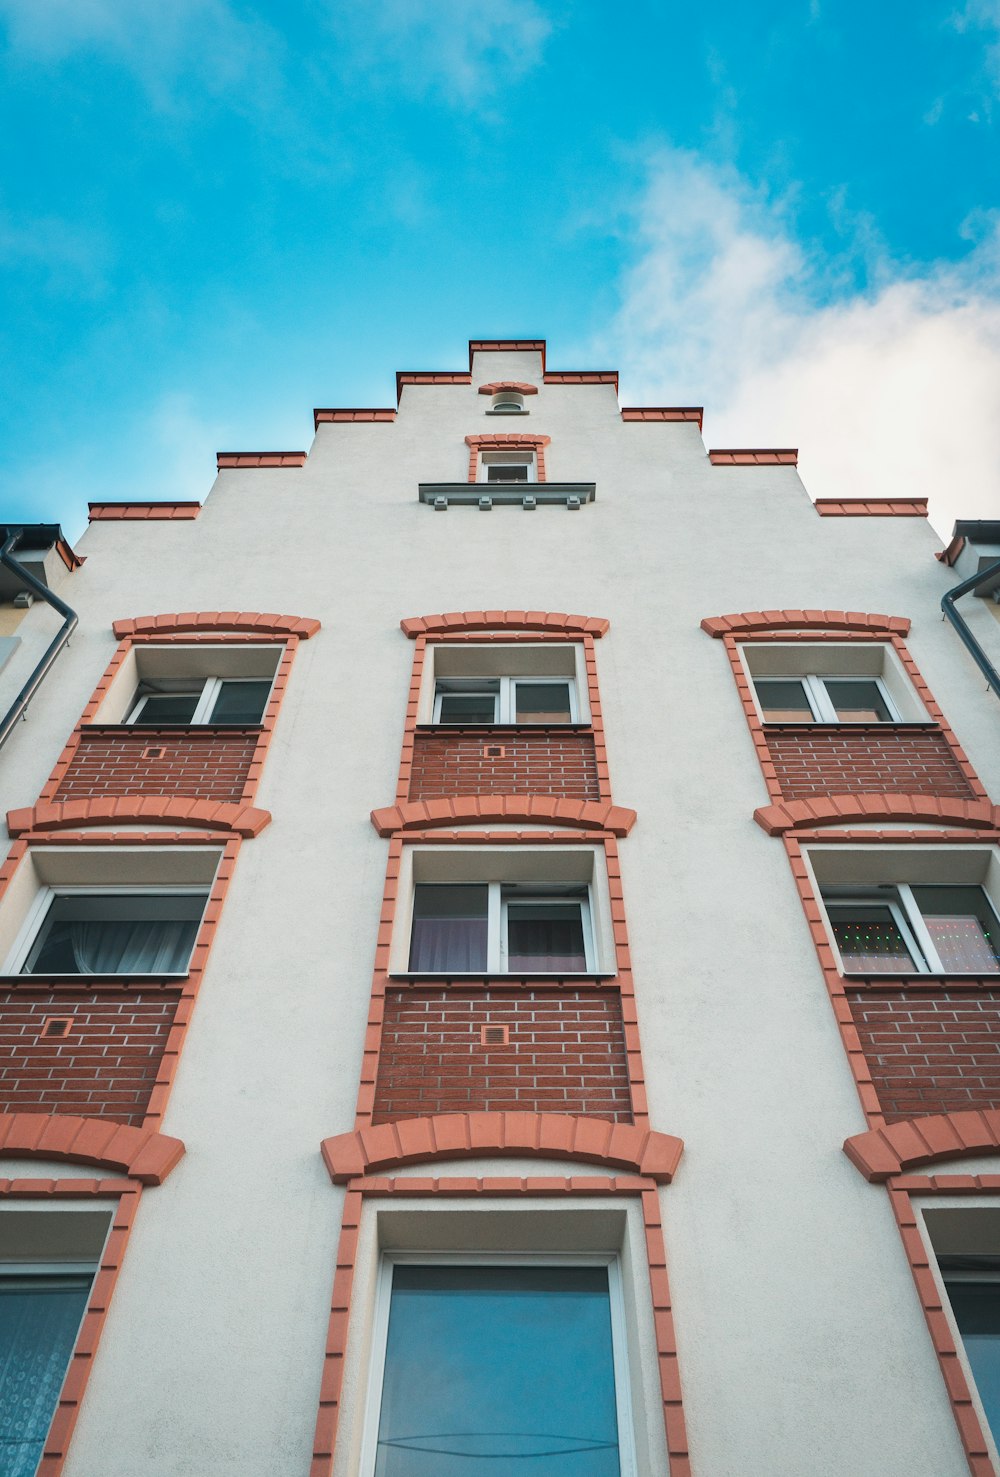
(964, 1252)
(507, 466)
(508, 402)
(488, 683)
(812, 699)
(235, 701)
(903, 929)
(85, 932)
(47, 1266)
(489, 1363)
(504, 700)
(831, 682)
(497, 928)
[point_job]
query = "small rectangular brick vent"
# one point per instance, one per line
(98, 1057)
(566, 1053)
(155, 751)
(470, 761)
(930, 1050)
(864, 758)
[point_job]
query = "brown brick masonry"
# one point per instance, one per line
(105, 1067)
(536, 760)
(817, 760)
(212, 763)
(930, 1050)
(565, 1053)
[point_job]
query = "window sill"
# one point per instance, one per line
(492, 978)
(442, 495)
(85, 981)
(507, 415)
(908, 726)
(951, 980)
(505, 728)
(174, 728)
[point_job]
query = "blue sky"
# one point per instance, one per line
(214, 216)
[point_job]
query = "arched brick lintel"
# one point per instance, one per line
(521, 386)
(465, 1135)
(211, 815)
(828, 810)
(141, 1153)
(750, 622)
(458, 622)
(883, 1152)
(587, 815)
(209, 621)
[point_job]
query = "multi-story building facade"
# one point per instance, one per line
(500, 993)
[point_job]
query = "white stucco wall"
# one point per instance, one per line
(802, 1345)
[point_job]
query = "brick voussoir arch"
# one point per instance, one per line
(521, 386)
(230, 817)
(883, 1152)
(208, 621)
(749, 622)
(586, 815)
(465, 1135)
(141, 1153)
(457, 622)
(792, 815)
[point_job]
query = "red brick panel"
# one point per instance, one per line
(106, 1065)
(539, 761)
(211, 764)
(864, 758)
(565, 1054)
(930, 1051)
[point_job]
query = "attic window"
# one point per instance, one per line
(508, 402)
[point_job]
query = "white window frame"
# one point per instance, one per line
(210, 689)
(505, 701)
(909, 920)
(520, 458)
(619, 1335)
(39, 909)
(819, 700)
(497, 950)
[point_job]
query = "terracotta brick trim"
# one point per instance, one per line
(464, 1135)
(141, 1153)
(208, 622)
(663, 413)
(751, 622)
(581, 377)
(380, 413)
(430, 377)
(786, 456)
(793, 815)
(460, 810)
(503, 442)
(506, 345)
(232, 817)
(863, 507)
(458, 622)
(497, 385)
(227, 459)
(883, 1152)
(951, 553)
(146, 512)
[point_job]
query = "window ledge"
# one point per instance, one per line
(503, 979)
(504, 728)
(442, 495)
(953, 980)
(507, 414)
(916, 726)
(87, 981)
(174, 728)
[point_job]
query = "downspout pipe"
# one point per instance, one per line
(969, 641)
(55, 646)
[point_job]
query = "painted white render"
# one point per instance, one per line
(803, 1349)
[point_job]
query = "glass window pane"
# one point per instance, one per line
(449, 927)
(783, 701)
(507, 472)
(858, 702)
(39, 1321)
(167, 707)
(868, 939)
(493, 1370)
(240, 703)
(976, 1306)
(468, 707)
(120, 933)
(545, 937)
(542, 702)
(963, 927)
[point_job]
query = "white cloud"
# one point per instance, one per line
(463, 52)
(891, 392)
(72, 257)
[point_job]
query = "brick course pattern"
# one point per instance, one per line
(209, 763)
(538, 761)
(104, 1068)
(864, 759)
(930, 1051)
(566, 1053)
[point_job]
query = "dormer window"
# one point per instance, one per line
(508, 402)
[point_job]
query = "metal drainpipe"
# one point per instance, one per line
(69, 625)
(973, 647)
